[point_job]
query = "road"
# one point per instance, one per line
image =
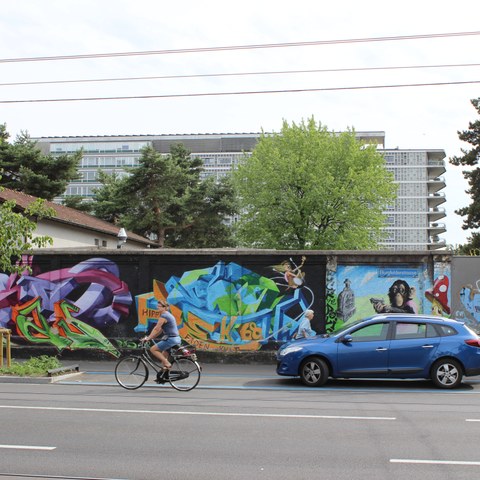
(241, 422)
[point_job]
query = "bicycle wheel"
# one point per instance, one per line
(131, 372)
(184, 374)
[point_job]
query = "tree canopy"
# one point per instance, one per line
(17, 233)
(308, 188)
(26, 169)
(470, 158)
(164, 198)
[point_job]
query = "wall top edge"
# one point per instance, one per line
(234, 251)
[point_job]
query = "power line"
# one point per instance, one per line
(212, 94)
(238, 47)
(236, 74)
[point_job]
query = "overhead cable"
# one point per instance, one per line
(238, 47)
(217, 94)
(236, 74)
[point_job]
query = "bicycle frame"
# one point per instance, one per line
(132, 371)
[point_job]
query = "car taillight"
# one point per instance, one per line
(473, 342)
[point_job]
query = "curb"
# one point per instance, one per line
(37, 380)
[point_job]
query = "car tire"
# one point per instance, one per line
(447, 373)
(313, 372)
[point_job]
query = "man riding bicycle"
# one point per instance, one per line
(168, 326)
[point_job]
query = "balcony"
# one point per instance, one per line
(435, 214)
(435, 184)
(436, 243)
(436, 199)
(436, 229)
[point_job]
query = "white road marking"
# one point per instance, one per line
(213, 414)
(472, 419)
(49, 477)
(27, 447)
(433, 462)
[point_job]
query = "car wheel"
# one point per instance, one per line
(447, 373)
(314, 372)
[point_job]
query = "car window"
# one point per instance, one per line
(431, 331)
(370, 333)
(404, 331)
(447, 330)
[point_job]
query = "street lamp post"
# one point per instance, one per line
(122, 237)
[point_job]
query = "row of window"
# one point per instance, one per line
(102, 162)
(401, 331)
(99, 147)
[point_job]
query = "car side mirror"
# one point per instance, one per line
(347, 339)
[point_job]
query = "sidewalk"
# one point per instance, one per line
(214, 375)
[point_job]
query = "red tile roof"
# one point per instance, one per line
(71, 216)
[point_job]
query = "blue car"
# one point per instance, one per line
(386, 346)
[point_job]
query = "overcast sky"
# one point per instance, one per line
(424, 117)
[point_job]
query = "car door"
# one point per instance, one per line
(364, 352)
(412, 348)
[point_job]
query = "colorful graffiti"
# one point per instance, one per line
(382, 289)
(228, 307)
(470, 300)
(67, 307)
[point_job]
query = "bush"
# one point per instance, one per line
(36, 366)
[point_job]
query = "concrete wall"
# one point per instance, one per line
(223, 300)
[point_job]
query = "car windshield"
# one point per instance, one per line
(347, 326)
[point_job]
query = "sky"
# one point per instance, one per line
(200, 98)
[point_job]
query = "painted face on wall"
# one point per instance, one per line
(399, 293)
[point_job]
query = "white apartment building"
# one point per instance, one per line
(412, 223)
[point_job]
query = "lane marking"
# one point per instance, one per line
(472, 419)
(296, 388)
(27, 447)
(433, 462)
(212, 414)
(63, 477)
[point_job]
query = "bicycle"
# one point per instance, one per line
(132, 372)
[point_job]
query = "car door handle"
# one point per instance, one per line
(381, 349)
(427, 346)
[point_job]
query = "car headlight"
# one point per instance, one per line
(290, 349)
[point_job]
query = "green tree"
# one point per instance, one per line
(78, 203)
(307, 188)
(108, 202)
(26, 169)
(470, 158)
(210, 205)
(164, 198)
(17, 233)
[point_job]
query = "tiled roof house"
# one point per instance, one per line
(71, 228)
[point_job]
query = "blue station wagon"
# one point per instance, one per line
(403, 346)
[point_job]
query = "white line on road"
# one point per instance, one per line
(27, 447)
(213, 414)
(433, 462)
(49, 477)
(472, 419)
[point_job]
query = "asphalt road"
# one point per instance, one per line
(241, 422)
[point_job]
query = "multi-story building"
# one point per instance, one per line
(412, 222)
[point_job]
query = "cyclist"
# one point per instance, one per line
(168, 326)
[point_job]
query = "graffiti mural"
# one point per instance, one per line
(466, 291)
(66, 308)
(247, 301)
(230, 307)
(358, 291)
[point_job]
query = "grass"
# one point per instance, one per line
(35, 367)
